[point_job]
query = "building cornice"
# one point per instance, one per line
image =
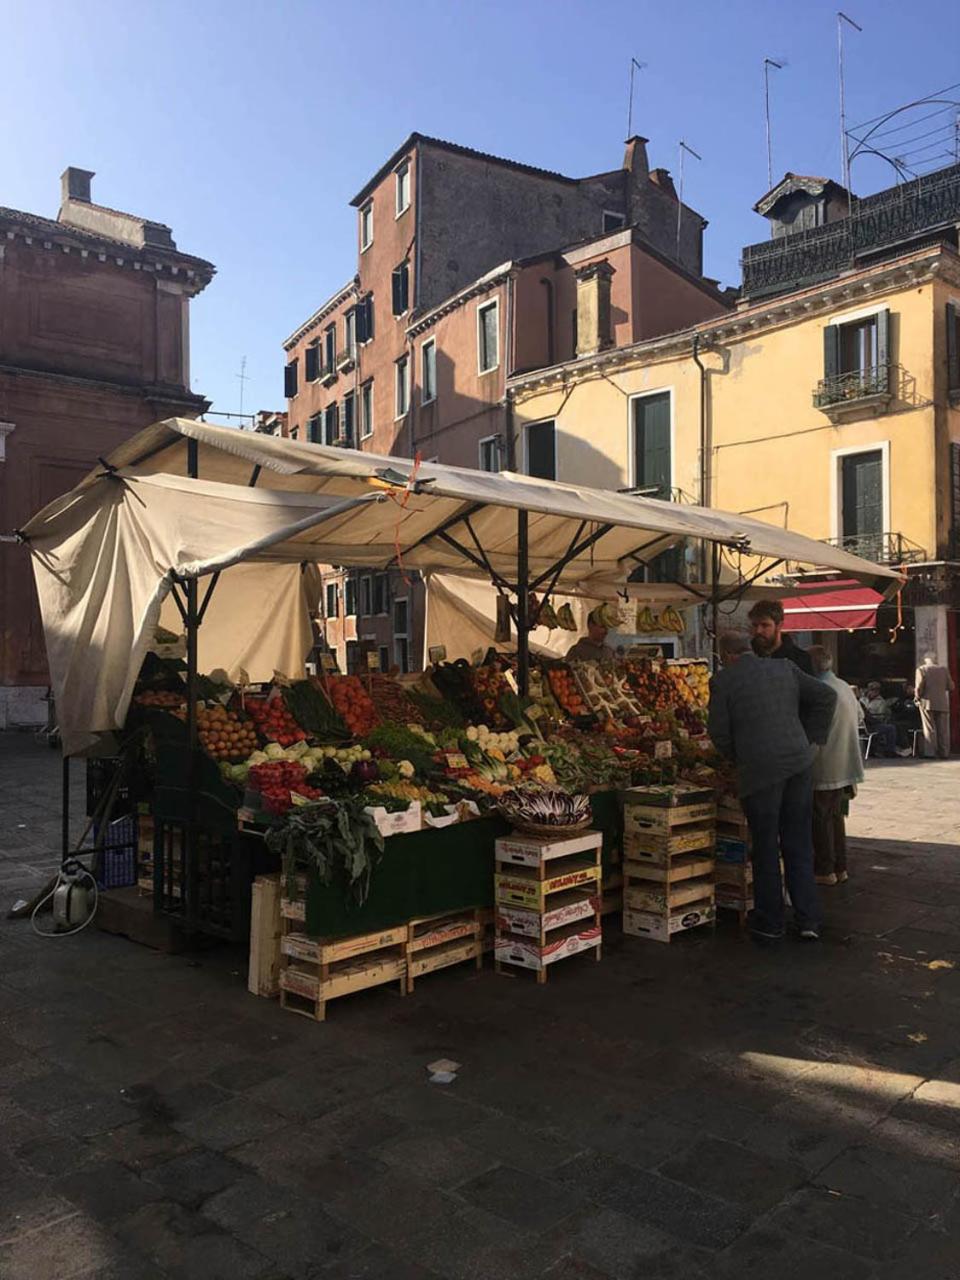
(193, 274)
(346, 291)
(858, 286)
(456, 300)
(154, 392)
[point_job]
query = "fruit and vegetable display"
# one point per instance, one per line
(548, 808)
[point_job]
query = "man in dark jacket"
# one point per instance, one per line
(765, 717)
(769, 640)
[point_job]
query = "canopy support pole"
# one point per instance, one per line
(523, 605)
(192, 624)
(714, 605)
(65, 810)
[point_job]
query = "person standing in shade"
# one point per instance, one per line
(769, 639)
(837, 771)
(765, 717)
(593, 646)
(934, 686)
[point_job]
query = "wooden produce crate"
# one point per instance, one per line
(640, 819)
(317, 970)
(528, 887)
(655, 846)
(263, 974)
(530, 953)
(661, 926)
(686, 866)
(436, 942)
(562, 910)
(533, 851)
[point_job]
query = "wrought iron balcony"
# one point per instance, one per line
(883, 221)
(859, 384)
(881, 548)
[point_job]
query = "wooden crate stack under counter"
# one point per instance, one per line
(547, 892)
(668, 860)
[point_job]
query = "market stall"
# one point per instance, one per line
(353, 784)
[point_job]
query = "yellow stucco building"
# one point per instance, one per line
(829, 405)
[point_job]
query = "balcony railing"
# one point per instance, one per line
(881, 548)
(889, 218)
(858, 384)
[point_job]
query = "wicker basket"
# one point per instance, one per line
(546, 828)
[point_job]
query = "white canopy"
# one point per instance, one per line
(106, 554)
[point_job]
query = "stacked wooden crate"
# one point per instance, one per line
(263, 975)
(547, 892)
(436, 942)
(668, 860)
(734, 873)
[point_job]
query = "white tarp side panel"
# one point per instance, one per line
(258, 620)
(102, 563)
(462, 614)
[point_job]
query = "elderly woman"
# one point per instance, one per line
(837, 770)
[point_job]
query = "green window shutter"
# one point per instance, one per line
(883, 350)
(831, 351)
(953, 349)
(652, 442)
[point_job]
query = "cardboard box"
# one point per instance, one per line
(397, 824)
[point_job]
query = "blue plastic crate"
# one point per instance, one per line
(118, 857)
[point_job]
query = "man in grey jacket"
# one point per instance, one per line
(765, 716)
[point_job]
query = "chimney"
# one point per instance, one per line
(594, 329)
(661, 178)
(75, 185)
(635, 156)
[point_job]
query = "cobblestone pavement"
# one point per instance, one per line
(698, 1110)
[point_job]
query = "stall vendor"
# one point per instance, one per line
(591, 647)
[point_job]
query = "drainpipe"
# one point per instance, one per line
(510, 449)
(706, 556)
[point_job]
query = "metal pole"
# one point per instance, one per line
(714, 606)
(65, 810)
(523, 605)
(634, 66)
(192, 623)
(844, 143)
(696, 156)
(767, 64)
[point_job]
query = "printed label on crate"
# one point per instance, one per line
(529, 923)
(522, 892)
(396, 824)
(443, 933)
(293, 909)
(299, 947)
(652, 925)
(532, 956)
(531, 852)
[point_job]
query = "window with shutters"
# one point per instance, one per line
(364, 319)
(366, 596)
(401, 289)
(953, 348)
(346, 419)
(290, 380)
(651, 461)
(366, 226)
(315, 429)
(403, 386)
(402, 174)
(380, 594)
(366, 409)
(428, 371)
(401, 634)
(350, 332)
(311, 364)
(541, 450)
(330, 424)
(330, 349)
(861, 488)
(333, 600)
(490, 453)
(856, 360)
(384, 655)
(350, 598)
(488, 336)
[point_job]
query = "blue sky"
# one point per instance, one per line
(249, 126)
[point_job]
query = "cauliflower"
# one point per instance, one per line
(274, 751)
(473, 733)
(405, 769)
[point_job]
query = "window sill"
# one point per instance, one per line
(858, 407)
(400, 212)
(483, 372)
(428, 400)
(365, 247)
(328, 379)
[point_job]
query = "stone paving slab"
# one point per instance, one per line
(701, 1110)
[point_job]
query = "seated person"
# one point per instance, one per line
(878, 720)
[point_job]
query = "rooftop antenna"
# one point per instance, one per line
(844, 143)
(956, 139)
(696, 156)
(767, 64)
(242, 378)
(634, 67)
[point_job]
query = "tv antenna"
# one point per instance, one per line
(242, 378)
(696, 155)
(779, 65)
(635, 66)
(844, 145)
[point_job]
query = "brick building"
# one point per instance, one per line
(94, 345)
(471, 267)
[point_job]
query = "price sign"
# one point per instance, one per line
(328, 662)
(511, 680)
(663, 750)
(437, 653)
(457, 760)
(534, 711)
(373, 660)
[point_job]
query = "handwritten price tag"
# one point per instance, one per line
(328, 662)
(373, 661)
(511, 680)
(663, 750)
(456, 760)
(438, 653)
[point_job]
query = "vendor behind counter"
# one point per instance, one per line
(592, 647)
